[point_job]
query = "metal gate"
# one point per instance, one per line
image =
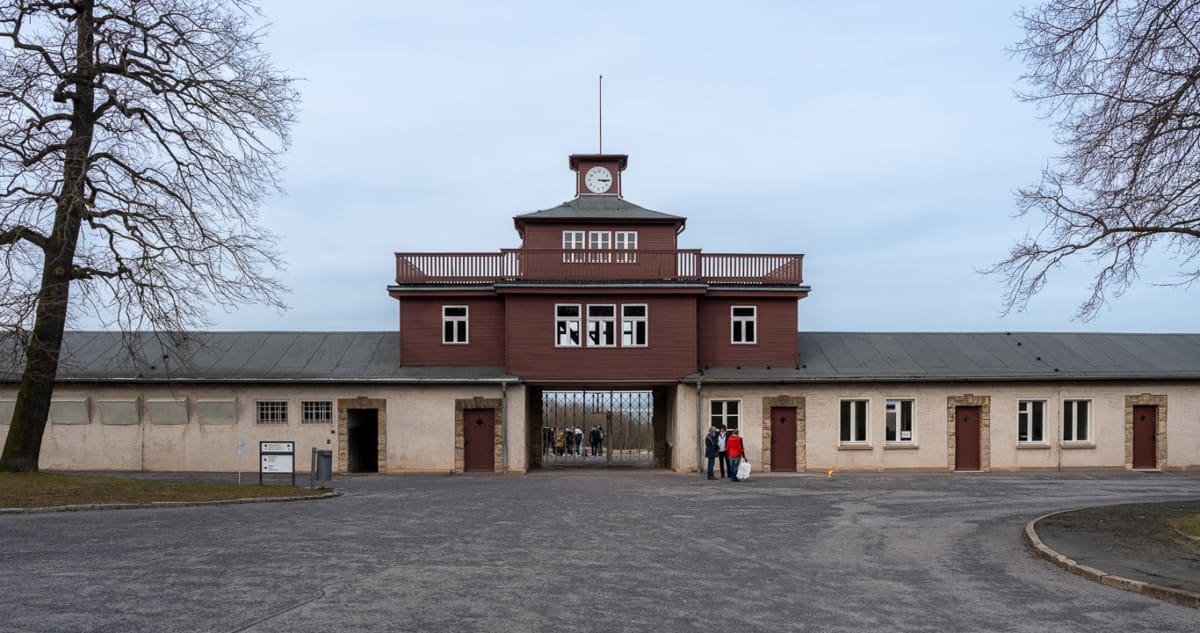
(622, 421)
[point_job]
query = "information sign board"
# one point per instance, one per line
(277, 458)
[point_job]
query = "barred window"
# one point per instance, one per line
(272, 412)
(318, 412)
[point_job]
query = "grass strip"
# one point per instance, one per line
(38, 490)
(1188, 524)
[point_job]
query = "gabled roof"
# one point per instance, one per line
(598, 207)
(246, 357)
(826, 357)
(992, 356)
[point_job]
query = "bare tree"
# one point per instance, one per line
(137, 139)
(1121, 80)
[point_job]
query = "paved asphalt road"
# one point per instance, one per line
(585, 551)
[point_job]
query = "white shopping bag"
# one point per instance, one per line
(744, 470)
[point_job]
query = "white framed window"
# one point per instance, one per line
(625, 241)
(600, 241)
(853, 422)
(742, 325)
(602, 325)
(454, 325)
(572, 241)
(634, 320)
(899, 425)
(316, 412)
(1031, 421)
(725, 412)
(1076, 420)
(566, 325)
(271, 412)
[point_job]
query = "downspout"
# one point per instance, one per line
(699, 428)
(504, 422)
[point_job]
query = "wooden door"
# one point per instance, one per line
(1145, 423)
(479, 440)
(966, 438)
(783, 439)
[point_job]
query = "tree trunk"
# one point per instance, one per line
(23, 446)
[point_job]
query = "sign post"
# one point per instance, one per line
(277, 458)
(241, 450)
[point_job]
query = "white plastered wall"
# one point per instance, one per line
(929, 448)
(420, 427)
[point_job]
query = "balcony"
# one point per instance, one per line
(598, 265)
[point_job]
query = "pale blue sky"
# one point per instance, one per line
(881, 139)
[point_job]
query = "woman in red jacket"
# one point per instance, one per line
(733, 444)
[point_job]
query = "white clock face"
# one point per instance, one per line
(598, 180)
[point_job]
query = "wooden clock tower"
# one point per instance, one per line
(598, 174)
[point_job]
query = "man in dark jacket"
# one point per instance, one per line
(710, 450)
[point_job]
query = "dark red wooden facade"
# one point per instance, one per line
(511, 296)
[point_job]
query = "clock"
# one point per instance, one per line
(598, 179)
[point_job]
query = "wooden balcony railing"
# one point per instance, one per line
(598, 265)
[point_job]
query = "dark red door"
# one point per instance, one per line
(966, 434)
(479, 440)
(1145, 421)
(783, 439)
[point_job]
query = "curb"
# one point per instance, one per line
(1180, 597)
(162, 504)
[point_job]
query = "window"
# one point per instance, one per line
(725, 412)
(743, 324)
(317, 412)
(454, 325)
(633, 325)
(899, 421)
(1075, 420)
(272, 412)
(566, 324)
(602, 325)
(854, 421)
(572, 240)
(1030, 421)
(600, 241)
(626, 241)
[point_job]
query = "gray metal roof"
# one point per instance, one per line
(997, 356)
(593, 207)
(248, 357)
(365, 357)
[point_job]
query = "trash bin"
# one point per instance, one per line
(321, 474)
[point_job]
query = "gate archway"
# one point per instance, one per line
(599, 428)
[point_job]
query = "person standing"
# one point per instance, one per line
(722, 452)
(710, 450)
(733, 444)
(559, 440)
(594, 440)
(578, 441)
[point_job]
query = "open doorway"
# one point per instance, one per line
(598, 428)
(362, 440)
